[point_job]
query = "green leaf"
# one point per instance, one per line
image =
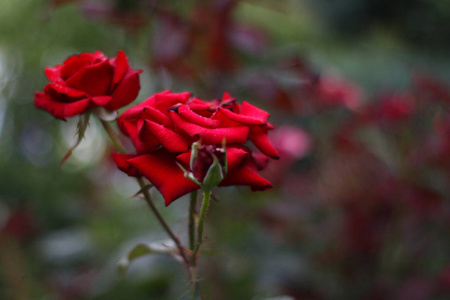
(142, 249)
(81, 130)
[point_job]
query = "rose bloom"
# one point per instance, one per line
(163, 128)
(88, 80)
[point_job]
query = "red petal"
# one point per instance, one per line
(227, 97)
(185, 159)
(61, 110)
(258, 136)
(130, 129)
(121, 66)
(136, 110)
(164, 101)
(101, 100)
(151, 113)
(161, 169)
(246, 175)
(78, 107)
(54, 73)
(199, 105)
(122, 163)
(236, 157)
(125, 91)
(170, 140)
(95, 80)
(252, 111)
(211, 136)
(225, 121)
(63, 92)
(249, 115)
(186, 113)
(74, 63)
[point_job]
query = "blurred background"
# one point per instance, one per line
(359, 93)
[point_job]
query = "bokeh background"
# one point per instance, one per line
(359, 94)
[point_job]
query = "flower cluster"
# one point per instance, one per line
(86, 81)
(163, 128)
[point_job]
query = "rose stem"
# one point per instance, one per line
(118, 144)
(161, 220)
(112, 135)
(192, 213)
(204, 210)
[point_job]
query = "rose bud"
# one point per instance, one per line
(208, 165)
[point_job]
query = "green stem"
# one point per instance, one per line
(204, 210)
(192, 213)
(163, 222)
(112, 135)
(195, 286)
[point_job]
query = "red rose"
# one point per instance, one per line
(88, 80)
(164, 126)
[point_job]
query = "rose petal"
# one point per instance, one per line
(101, 100)
(198, 105)
(131, 129)
(246, 175)
(121, 66)
(249, 115)
(250, 110)
(190, 116)
(125, 91)
(161, 169)
(54, 73)
(122, 163)
(246, 120)
(258, 136)
(164, 101)
(227, 98)
(170, 140)
(75, 63)
(211, 136)
(136, 110)
(151, 113)
(95, 80)
(225, 121)
(63, 93)
(61, 110)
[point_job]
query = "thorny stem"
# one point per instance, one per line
(192, 214)
(204, 210)
(118, 144)
(162, 222)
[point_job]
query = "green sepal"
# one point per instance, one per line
(189, 175)
(194, 153)
(214, 175)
